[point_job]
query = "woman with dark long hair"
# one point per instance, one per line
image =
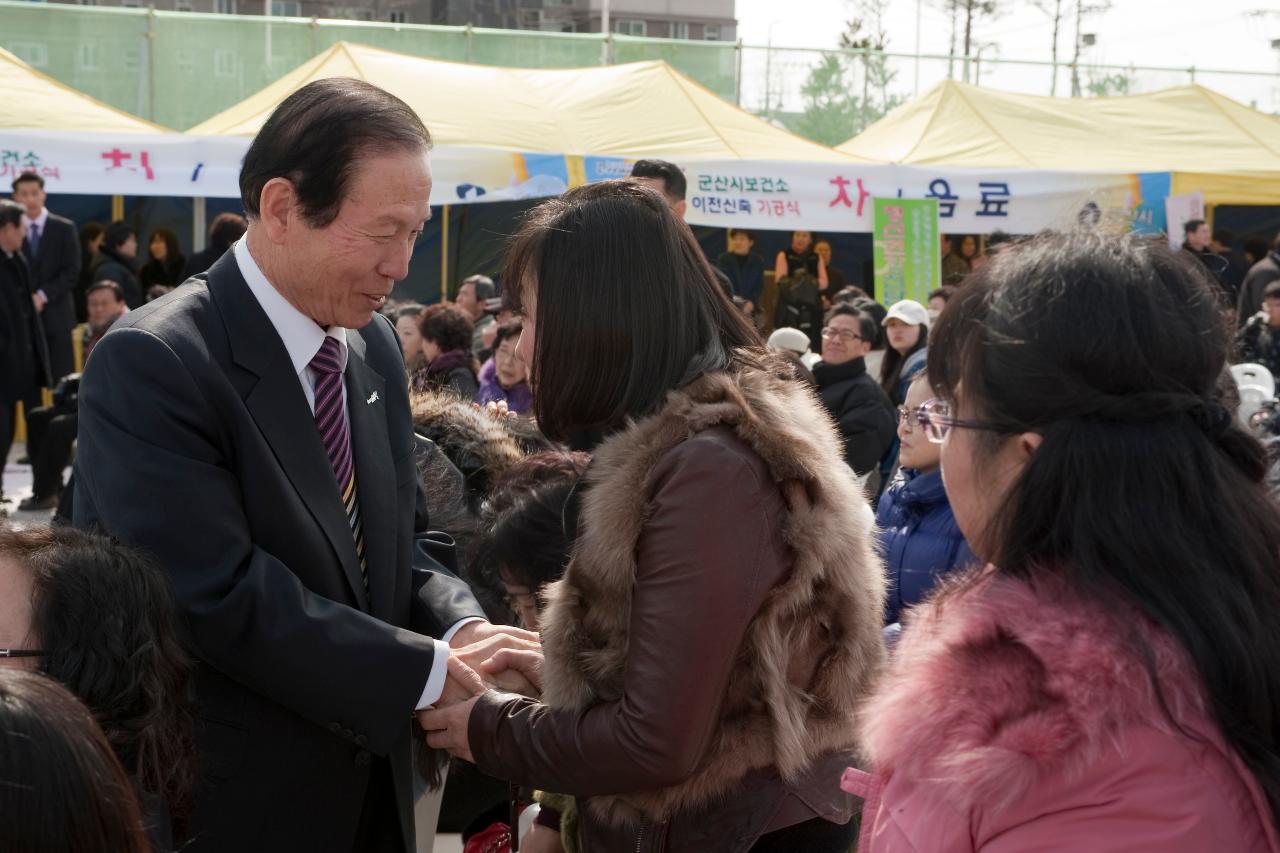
(167, 261)
(1111, 679)
(906, 327)
(61, 788)
(719, 623)
(103, 623)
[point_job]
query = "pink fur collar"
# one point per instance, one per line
(994, 687)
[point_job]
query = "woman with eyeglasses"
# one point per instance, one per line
(856, 402)
(919, 537)
(1110, 681)
(98, 617)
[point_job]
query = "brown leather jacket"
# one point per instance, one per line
(714, 634)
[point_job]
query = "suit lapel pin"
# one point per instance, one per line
(373, 398)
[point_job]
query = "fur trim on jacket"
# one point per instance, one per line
(1001, 685)
(831, 601)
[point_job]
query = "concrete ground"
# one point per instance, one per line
(17, 487)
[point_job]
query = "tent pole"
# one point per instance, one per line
(444, 256)
(117, 208)
(198, 227)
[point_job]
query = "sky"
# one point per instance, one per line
(1216, 34)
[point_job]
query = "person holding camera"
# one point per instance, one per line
(51, 430)
(1259, 341)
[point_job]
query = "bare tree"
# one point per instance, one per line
(1083, 10)
(1054, 9)
(966, 17)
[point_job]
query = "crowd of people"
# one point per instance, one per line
(989, 572)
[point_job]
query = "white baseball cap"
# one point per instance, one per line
(789, 339)
(908, 311)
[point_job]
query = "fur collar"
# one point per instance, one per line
(1004, 682)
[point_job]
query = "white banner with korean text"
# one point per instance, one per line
(763, 195)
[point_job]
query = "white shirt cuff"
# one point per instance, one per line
(440, 665)
(435, 682)
(448, 635)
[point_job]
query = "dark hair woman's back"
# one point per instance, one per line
(61, 788)
(1144, 491)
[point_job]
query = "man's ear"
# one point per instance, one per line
(278, 209)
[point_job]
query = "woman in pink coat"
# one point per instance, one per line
(1111, 681)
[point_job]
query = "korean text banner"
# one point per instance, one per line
(907, 258)
(837, 198)
(766, 195)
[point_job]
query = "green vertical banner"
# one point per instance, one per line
(907, 256)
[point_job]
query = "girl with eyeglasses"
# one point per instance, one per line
(1111, 679)
(919, 537)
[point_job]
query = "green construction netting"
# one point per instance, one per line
(179, 68)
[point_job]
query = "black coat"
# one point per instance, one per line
(209, 458)
(114, 267)
(56, 271)
(201, 261)
(1260, 275)
(862, 412)
(17, 323)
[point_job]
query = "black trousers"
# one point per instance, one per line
(8, 424)
(51, 432)
(379, 830)
(62, 356)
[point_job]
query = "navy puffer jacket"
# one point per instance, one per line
(919, 539)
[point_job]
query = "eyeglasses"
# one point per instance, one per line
(843, 334)
(936, 419)
(21, 653)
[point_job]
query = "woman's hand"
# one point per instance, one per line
(515, 665)
(497, 410)
(447, 728)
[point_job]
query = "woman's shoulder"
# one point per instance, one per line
(1005, 683)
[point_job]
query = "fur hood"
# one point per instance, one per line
(831, 601)
(1004, 683)
(480, 446)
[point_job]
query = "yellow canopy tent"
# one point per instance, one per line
(35, 101)
(1208, 142)
(637, 109)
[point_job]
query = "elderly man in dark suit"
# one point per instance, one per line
(261, 448)
(52, 250)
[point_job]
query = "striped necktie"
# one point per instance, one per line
(331, 420)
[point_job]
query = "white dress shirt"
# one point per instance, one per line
(40, 222)
(302, 339)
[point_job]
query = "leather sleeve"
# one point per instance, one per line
(709, 553)
(151, 470)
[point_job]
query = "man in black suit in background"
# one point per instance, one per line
(52, 250)
(18, 365)
(251, 430)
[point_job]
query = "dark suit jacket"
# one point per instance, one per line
(17, 355)
(197, 444)
(56, 270)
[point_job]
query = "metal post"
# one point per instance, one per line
(444, 255)
(606, 33)
(150, 42)
(199, 230)
(470, 36)
(266, 14)
(737, 79)
(916, 87)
